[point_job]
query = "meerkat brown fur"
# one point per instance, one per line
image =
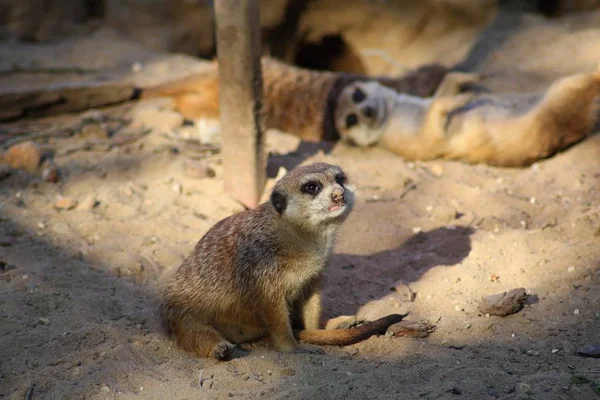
(497, 129)
(256, 274)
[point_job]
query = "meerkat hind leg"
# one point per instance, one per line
(203, 340)
(453, 83)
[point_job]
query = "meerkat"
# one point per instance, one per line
(508, 130)
(257, 274)
(296, 100)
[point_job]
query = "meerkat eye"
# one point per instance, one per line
(358, 96)
(340, 179)
(351, 120)
(312, 188)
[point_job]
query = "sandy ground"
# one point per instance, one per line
(78, 317)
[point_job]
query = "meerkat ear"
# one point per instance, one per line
(279, 201)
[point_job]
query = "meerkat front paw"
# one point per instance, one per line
(223, 351)
(308, 349)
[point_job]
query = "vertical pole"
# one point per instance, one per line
(240, 98)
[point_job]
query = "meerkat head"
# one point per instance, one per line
(361, 113)
(313, 196)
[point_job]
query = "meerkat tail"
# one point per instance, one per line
(344, 337)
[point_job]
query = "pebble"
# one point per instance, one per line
(105, 389)
(94, 131)
(43, 321)
(554, 351)
(525, 388)
(494, 393)
(198, 169)
(88, 203)
(65, 203)
(50, 172)
(352, 351)
(288, 372)
(177, 188)
(571, 269)
(576, 311)
(591, 350)
(26, 155)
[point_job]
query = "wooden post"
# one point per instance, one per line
(240, 98)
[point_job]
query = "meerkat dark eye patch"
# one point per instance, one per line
(313, 188)
(340, 179)
(358, 96)
(279, 202)
(351, 120)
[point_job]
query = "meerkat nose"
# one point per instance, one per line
(337, 195)
(370, 112)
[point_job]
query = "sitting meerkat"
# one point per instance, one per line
(257, 273)
(497, 129)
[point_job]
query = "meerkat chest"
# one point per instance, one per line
(305, 265)
(407, 115)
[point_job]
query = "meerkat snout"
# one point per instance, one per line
(337, 195)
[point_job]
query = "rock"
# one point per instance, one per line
(94, 131)
(105, 389)
(50, 172)
(43, 321)
(65, 203)
(26, 155)
(288, 372)
(414, 329)
(591, 350)
(198, 169)
(88, 203)
(525, 388)
(504, 303)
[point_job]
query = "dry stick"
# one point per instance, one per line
(29, 393)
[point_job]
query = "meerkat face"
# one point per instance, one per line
(361, 113)
(314, 195)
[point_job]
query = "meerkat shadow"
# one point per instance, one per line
(353, 281)
(293, 159)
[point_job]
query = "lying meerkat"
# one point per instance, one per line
(497, 129)
(257, 274)
(295, 100)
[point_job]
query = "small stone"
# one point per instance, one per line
(105, 389)
(576, 311)
(493, 392)
(41, 225)
(65, 203)
(554, 351)
(94, 131)
(437, 169)
(26, 155)
(504, 303)
(43, 321)
(177, 188)
(532, 200)
(50, 172)
(459, 308)
(525, 388)
(417, 229)
(352, 351)
(198, 169)
(88, 203)
(591, 350)
(288, 372)
(136, 66)
(571, 269)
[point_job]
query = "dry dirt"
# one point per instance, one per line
(78, 318)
